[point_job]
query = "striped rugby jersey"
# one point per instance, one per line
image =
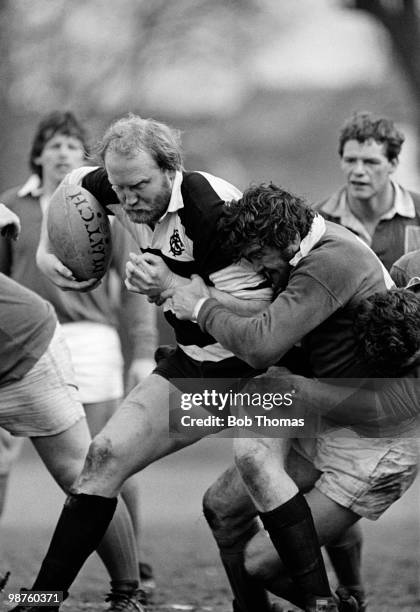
(186, 238)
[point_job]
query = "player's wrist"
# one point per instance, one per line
(197, 308)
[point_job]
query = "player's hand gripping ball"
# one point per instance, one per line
(79, 232)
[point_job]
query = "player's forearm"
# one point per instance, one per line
(239, 306)
(248, 338)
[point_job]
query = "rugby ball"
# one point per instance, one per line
(79, 232)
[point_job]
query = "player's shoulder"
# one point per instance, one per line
(198, 187)
(409, 261)
(340, 254)
(339, 237)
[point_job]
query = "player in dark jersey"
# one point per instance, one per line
(173, 217)
(407, 269)
(322, 273)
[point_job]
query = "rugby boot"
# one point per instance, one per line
(342, 602)
(125, 601)
(321, 604)
(357, 593)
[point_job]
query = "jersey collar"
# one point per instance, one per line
(32, 187)
(176, 202)
(311, 239)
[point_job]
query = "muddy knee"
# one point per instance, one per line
(214, 509)
(251, 455)
(230, 513)
(101, 467)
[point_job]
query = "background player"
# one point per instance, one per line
(90, 321)
(39, 399)
(371, 204)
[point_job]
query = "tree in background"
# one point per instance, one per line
(401, 20)
(101, 57)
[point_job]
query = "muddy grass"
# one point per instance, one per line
(176, 539)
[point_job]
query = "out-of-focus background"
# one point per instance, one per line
(260, 89)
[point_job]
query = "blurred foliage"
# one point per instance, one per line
(189, 62)
(401, 20)
(185, 56)
(131, 52)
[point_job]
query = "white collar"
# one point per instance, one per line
(403, 204)
(314, 235)
(176, 202)
(32, 187)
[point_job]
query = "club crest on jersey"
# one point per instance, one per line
(175, 244)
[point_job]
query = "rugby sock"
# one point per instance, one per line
(81, 526)
(250, 595)
(292, 531)
(118, 549)
(345, 554)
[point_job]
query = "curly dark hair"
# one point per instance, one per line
(387, 330)
(57, 122)
(266, 215)
(364, 126)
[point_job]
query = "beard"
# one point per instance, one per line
(153, 209)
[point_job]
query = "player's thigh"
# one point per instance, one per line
(301, 470)
(64, 453)
(138, 433)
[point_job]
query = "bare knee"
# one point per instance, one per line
(226, 504)
(102, 455)
(102, 471)
(261, 463)
(252, 456)
(214, 508)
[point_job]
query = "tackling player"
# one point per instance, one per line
(323, 272)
